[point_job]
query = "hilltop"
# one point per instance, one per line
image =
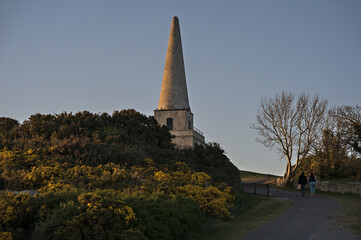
(248, 177)
(120, 170)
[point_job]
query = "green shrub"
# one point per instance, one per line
(53, 218)
(164, 216)
(17, 214)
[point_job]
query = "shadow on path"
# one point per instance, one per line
(309, 218)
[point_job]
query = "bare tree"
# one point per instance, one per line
(349, 121)
(290, 125)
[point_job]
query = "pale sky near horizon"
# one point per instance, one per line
(102, 56)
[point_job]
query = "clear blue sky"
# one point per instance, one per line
(103, 56)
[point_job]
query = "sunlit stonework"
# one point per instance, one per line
(173, 109)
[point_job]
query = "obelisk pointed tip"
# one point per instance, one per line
(175, 20)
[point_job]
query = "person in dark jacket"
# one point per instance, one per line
(303, 181)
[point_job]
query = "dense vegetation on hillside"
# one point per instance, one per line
(336, 154)
(102, 176)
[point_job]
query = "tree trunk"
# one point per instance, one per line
(287, 176)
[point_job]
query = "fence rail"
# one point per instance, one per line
(198, 131)
(253, 187)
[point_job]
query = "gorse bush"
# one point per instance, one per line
(17, 214)
(126, 137)
(87, 138)
(182, 180)
(212, 200)
(102, 218)
(102, 176)
(103, 214)
(90, 216)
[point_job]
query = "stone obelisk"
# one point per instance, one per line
(174, 94)
(173, 109)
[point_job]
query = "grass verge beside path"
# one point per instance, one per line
(266, 210)
(349, 216)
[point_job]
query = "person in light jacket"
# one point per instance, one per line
(312, 182)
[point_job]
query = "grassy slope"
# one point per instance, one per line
(266, 210)
(247, 174)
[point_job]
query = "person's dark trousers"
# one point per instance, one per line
(303, 189)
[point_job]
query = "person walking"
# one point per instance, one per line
(312, 182)
(302, 180)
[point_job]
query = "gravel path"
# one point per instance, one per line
(309, 219)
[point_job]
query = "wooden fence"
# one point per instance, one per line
(256, 188)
